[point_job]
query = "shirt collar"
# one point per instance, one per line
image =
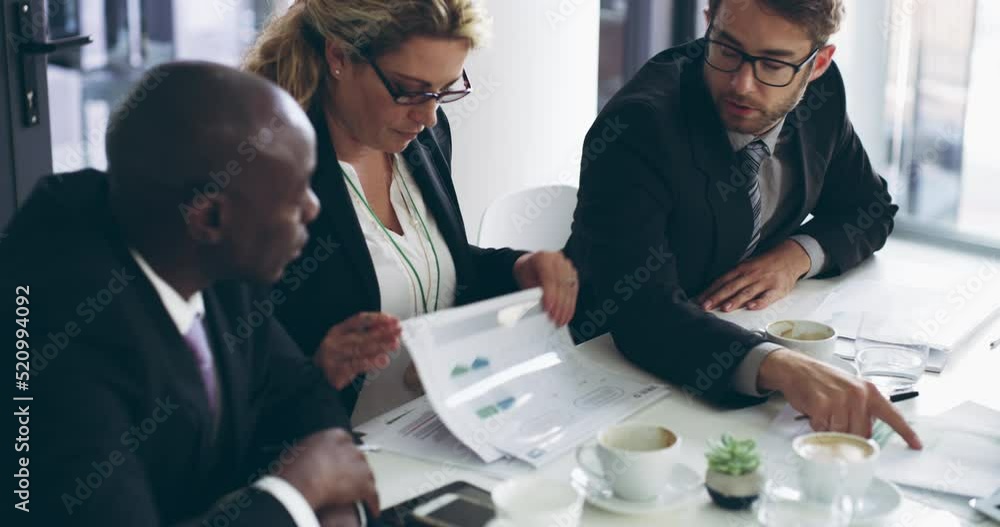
(740, 141)
(182, 312)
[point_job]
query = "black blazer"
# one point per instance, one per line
(334, 278)
(660, 215)
(120, 431)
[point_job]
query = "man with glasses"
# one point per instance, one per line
(730, 144)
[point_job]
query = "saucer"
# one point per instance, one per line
(785, 505)
(684, 483)
(881, 500)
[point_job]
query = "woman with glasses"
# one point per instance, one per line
(390, 240)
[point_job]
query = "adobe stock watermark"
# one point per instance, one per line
(957, 298)
(76, 155)
(597, 320)
(742, 174)
(460, 111)
(293, 278)
(564, 11)
(132, 439)
(227, 510)
(88, 310)
(250, 148)
(901, 13)
(867, 215)
(600, 139)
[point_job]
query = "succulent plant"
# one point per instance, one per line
(733, 456)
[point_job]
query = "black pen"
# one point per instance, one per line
(896, 397)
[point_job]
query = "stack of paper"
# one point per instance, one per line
(941, 316)
(505, 382)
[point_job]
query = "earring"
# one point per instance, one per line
(336, 73)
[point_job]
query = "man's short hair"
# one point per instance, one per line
(820, 18)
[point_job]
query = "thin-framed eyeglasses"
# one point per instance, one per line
(417, 97)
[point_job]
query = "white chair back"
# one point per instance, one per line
(536, 219)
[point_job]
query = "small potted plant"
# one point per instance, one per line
(733, 480)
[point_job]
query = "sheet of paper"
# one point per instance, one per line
(414, 430)
(505, 380)
(945, 317)
(961, 453)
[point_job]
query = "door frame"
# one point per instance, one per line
(25, 151)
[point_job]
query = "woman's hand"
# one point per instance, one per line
(359, 344)
(557, 277)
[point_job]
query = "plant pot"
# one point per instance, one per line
(734, 492)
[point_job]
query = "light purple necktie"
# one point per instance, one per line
(197, 340)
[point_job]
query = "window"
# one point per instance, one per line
(931, 67)
(632, 31)
(131, 36)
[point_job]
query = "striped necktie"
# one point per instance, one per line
(750, 159)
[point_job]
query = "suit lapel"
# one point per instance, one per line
(424, 162)
(802, 161)
(168, 354)
(714, 157)
(338, 211)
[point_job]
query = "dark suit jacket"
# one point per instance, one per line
(661, 215)
(121, 433)
(334, 278)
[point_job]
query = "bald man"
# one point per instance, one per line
(163, 392)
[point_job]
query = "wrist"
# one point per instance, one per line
(801, 262)
(519, 266)
(773, 371)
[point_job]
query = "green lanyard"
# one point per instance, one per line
(413, 269)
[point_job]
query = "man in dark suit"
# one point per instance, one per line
(163, 392)
(696, 180)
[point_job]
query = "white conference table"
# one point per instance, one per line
(969, 375)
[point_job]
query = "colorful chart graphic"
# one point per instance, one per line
(477, 364)
(493, 409)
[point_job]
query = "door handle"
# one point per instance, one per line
(29, 53)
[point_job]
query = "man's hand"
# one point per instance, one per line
(330, 471)
(359, 344)
(758, 282)
(833, 400)
(557, 277)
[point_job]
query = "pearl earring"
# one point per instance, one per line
(336, 72)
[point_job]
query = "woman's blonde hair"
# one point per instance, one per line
(291, 49)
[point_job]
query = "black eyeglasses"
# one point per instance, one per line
(414, 98)
(772, 72)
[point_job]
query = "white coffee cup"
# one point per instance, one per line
(833, 464)
(815, 339)
(634, 459)
(533, 501)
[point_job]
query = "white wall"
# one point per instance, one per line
(862, 55)
(535, 98)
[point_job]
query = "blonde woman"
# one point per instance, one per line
(390, 241)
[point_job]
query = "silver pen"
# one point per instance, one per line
(995, 344)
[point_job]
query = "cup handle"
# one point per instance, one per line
(585, 454)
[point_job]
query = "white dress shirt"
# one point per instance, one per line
(184, 313)
(399, 291)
